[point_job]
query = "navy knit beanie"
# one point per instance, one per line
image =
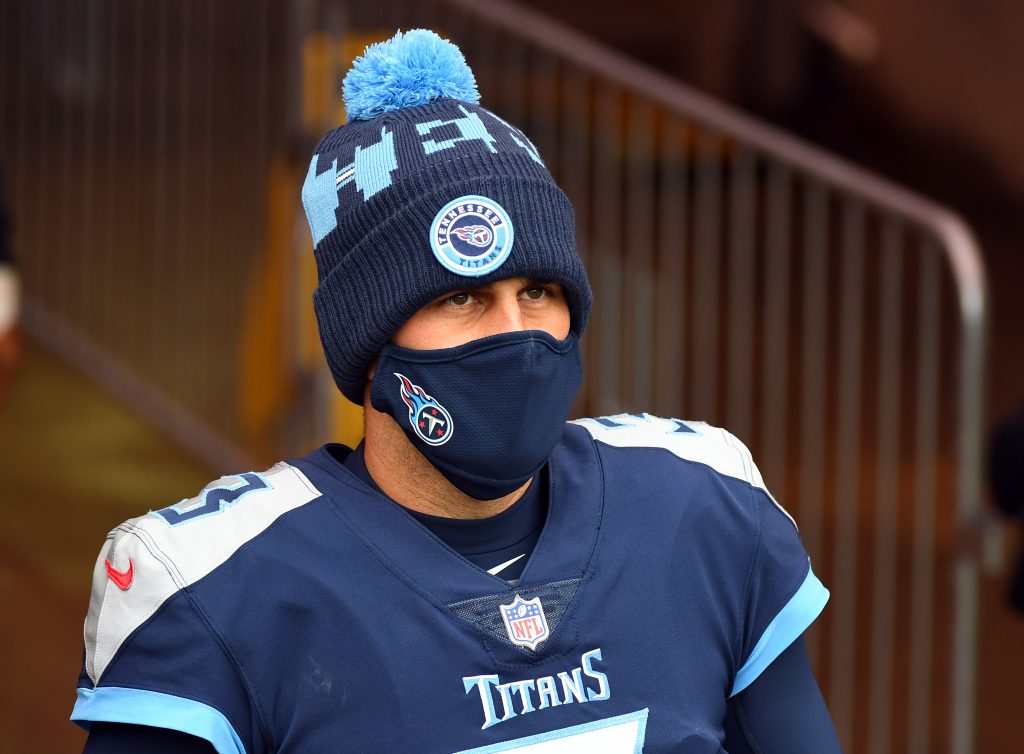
(420, 193)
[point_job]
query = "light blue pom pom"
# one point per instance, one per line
(407, 70)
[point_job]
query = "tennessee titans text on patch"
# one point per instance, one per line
(471, 236)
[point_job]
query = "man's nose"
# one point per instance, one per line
(508, 314)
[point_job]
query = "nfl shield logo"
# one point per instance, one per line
(525, 622)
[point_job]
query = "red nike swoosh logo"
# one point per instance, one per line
(122, 578)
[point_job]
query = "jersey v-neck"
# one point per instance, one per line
(500, 544)
(563, 551)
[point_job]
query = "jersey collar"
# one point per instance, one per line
(564, 551)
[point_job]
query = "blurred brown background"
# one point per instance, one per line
(926, 92)
(152, 155)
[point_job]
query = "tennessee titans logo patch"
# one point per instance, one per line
(429, 419)
(525, 622)
(475, 235)
(471, 236)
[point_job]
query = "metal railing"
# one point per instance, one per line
(833, 321)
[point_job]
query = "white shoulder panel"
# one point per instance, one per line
(146, 560)
(690, 440)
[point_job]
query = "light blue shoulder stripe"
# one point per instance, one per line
(114, 704)
(794, 618)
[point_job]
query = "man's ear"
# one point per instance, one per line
(372, 370)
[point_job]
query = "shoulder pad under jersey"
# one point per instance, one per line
(148, 559)
(690, 440)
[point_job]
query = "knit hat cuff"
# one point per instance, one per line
(391, 272)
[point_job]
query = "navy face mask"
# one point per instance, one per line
(486, 414)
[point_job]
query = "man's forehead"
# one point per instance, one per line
(519, 282)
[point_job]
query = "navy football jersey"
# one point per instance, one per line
(298, 610)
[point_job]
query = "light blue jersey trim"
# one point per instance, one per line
(114, 704)
(785, 628)
(640, 717)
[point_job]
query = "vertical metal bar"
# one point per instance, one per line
(965, 633)
(479, 48)
(6, 11)
(774, 405)
(18, 187)
(41, 232)
(576, 145)
(204, 279)
(264, 166)
(183, 224)
(306, 407)
(814, 316)
(844, 612)
(577, 152)
(514, 82)
(706, 276)
(673, 212)
(140, 188)
(971, 390)
(63, 273)
(925, 468)
(639, 240)
(576, 149)
(457, 29)
(262, 88)
(543, 89)
(242, 186)
(6, 83)
(299, 15)
(739, 375)
(887, 443)
(162, 345)
(86, 300)
(110, 197)
(607, 259)
(71, 262)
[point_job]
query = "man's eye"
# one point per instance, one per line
(458, 299)
(534, 294)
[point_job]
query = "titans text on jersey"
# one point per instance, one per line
(297, 610)
(545, 691)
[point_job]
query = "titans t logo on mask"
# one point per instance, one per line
(428, 418)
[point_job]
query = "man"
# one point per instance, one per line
(477, 576)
